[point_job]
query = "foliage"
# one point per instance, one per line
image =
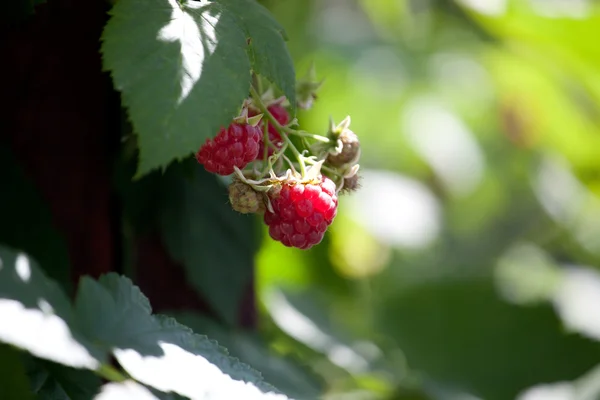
(111, 316)
(465, 265)
(165, 62)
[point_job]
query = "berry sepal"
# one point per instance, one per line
(346, 149)
(246, 119)
(307, 88)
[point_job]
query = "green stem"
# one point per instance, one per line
(308, 135)
(282, 129)
(110, 373)
(297, 154)
(324, 168)
(276, 156)
(259, 83)
(290, 163)
(264, 110)
(266, 141)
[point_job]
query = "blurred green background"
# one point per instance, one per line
(467, 265)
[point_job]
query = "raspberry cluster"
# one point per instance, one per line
(302, 213)
(289, 186)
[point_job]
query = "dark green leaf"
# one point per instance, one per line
(268, 52)
(51, 390)
(16, 11)
(77, 384)
(182, 70)
(54, 381)
(13, 379)
(215, 244)
(116, 314)
(27, 222)
(461, 333)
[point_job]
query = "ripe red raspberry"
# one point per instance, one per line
(282, 116)
(235, 146)
(302, 213)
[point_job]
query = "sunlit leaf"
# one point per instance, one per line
(129, 390)
(182, 69)
(39, 313)
(287, 374)
(159, 352)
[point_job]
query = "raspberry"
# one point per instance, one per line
(351, 184)
(281, 115)
(350, 149)
(302, 213)
(244, 199)
(235, 146)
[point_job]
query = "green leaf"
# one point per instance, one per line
(54, 381)
(329, 332)
(27, 221)
(114, 315)
(125, 390)
(182, 69)
(39, 313)
(18, 10)
(13, 379)
(215, 244)
(159, 352)
(461, 333)
(51, 390)
(268, 52)
(73, 383)
(132, 390)
(287, 374)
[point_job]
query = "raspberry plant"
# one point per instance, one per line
(119, 251)
(299, 199)
(191, 77)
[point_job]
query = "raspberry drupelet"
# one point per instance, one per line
(235, 146)
(302, 213)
